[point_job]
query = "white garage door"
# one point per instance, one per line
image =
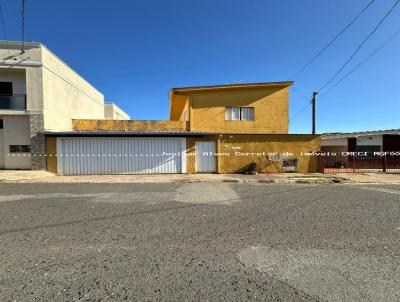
(129, 155)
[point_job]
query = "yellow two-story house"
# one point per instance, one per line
(234, 128)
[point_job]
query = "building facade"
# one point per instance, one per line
(38, 93)
(212, 129)
(367, 141)
(367, 151)
(113, 112)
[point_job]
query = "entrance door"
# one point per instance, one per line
(205, 157)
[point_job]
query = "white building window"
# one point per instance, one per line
(239, 113)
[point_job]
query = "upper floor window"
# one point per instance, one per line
(239, 113)
(1, 124)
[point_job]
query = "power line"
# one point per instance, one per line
(383, 45)
(3, 25)
(360, 46)
(315, 57)
(300, 94)
(300, 111)
(304, 108)
(332, 41)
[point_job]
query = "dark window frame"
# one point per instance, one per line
(1, 123)
(19, 148)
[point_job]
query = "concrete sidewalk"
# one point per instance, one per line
(46, 177)
(369, 178)
(283, 178)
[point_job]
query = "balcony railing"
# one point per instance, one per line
(13, 102)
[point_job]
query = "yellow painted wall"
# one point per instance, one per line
(257, 144)
(51, 152)
(207, 109)
(127, 125)
(177, 106)
(267, 143)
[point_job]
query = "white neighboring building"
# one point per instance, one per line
(113, 112)
(39, 92)
(367, 141)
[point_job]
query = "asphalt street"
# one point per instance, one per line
(199, 242)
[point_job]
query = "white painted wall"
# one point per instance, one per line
(334, 141)
(66, 95)
(375, 140)
(113, 112)
(16, 132)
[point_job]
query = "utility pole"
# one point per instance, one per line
(23, 25)
(313, 100)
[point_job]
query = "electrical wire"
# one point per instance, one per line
(360, 46)
(315, 57)
(3, 25)
(300, 112)
(299, 94)
(372, 54)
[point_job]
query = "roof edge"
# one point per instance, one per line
(19, 43)
(232, 86)
(360, 133)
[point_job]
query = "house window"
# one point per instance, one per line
(370, 149)
(239, 113)
(6, 88)
(20, 148)
(1, 124)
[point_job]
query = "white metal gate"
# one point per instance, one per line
(205, 157)
(115, 155)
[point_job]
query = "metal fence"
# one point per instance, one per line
(354, 164)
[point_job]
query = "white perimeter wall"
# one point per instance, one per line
(16, 132)
(376, 140)
(334, 142)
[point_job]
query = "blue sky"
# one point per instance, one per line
(135, 51)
